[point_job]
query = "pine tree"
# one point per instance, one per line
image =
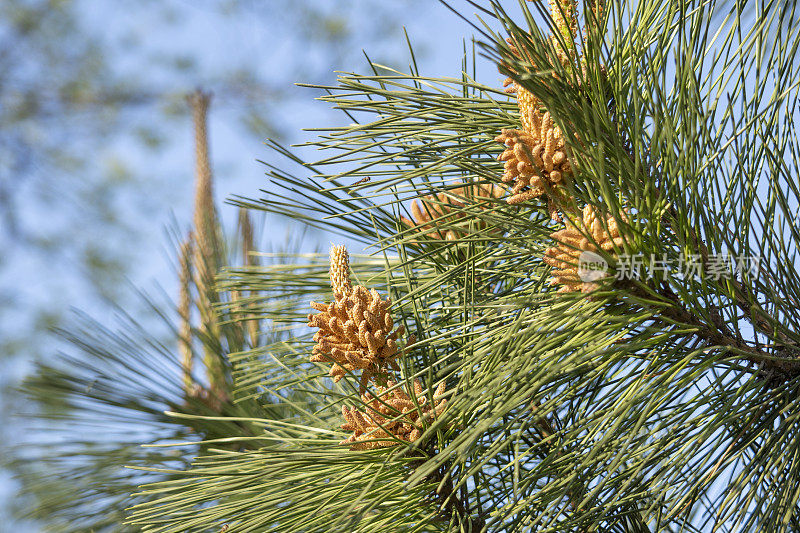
(577, 309)
(117, 390)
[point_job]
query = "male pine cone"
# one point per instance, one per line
(588, 234)
(356, 329)
(432, 212)
(535, 158)
(533, 163)
(391, 416)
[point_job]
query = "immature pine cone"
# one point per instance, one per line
(573, 241)
(355, 331)
(444, 205)
(395, 417)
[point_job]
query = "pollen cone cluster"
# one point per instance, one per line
(536, 162)
(434, 210)
(536, 157)
(391, 416)
(356, 331)
(588, 234)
